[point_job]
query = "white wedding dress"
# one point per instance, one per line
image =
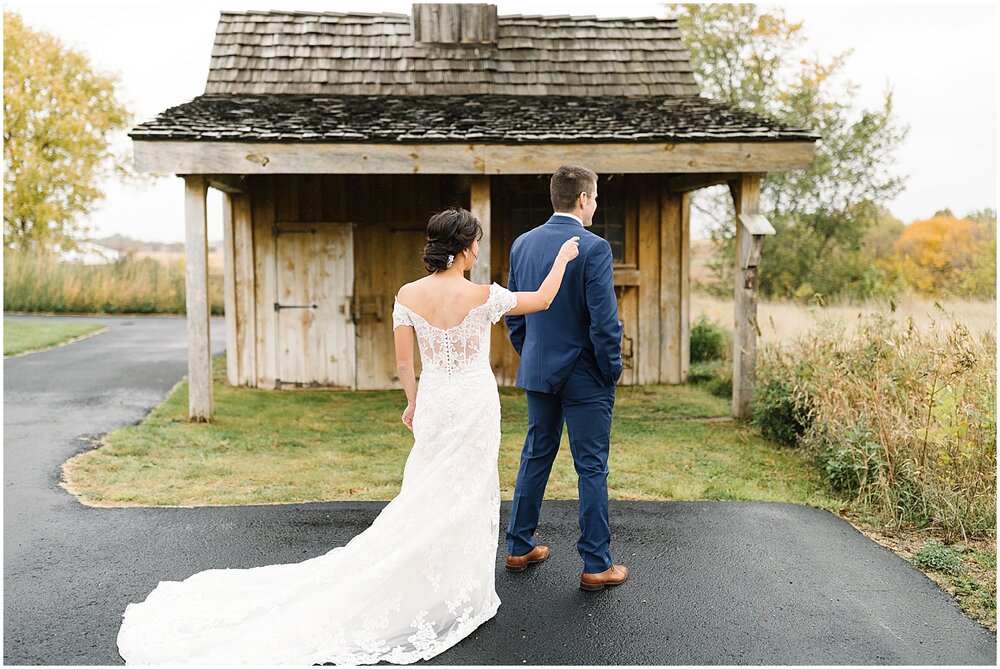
(415, 583)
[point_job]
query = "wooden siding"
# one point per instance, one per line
(387, 215)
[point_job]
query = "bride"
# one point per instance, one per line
(421, 577)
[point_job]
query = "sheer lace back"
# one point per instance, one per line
(464, 347)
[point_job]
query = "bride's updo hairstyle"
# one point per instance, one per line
(449, 233)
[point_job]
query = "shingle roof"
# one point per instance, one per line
(501, 119)
(375, 54)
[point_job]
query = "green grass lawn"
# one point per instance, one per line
(305, 445)
(20, 336)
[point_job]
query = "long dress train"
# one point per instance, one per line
(410, 586)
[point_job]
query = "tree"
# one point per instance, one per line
(59, 119)
(982, 281)
(744, 56)
(945, 255)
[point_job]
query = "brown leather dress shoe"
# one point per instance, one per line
(520, 562)
(614, 576)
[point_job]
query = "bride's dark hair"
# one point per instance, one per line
(449, 233)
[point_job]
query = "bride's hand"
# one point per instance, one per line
(570, 249)
(408, 416)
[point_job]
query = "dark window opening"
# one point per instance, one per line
(532, 208)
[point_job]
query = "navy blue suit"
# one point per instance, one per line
(570, 363)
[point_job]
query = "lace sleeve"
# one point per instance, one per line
(501, 301)
(400, 315)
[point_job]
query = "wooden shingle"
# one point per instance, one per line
(611, 53)
(530, 117)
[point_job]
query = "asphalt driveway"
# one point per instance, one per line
(711, 582)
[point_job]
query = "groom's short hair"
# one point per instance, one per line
(567, 183)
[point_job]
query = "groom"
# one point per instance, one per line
(570, 362)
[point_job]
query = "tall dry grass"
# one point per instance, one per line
(900, 416)
(38, 282)
(784, 321)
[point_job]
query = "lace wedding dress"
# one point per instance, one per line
(413, 584)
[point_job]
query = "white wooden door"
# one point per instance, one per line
(314, 281)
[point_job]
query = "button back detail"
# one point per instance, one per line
(464, 347)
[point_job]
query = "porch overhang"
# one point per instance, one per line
(221, 157)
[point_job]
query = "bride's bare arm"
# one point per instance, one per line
(403, 336)
(528, 302)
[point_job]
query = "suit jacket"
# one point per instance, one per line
(582, 321)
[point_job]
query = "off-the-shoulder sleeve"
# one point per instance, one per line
(501, 301)
(400, 315)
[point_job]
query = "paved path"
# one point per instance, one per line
(712, 582)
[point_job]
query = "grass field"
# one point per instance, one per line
(22, 336)
(784, 321)
(263, 447)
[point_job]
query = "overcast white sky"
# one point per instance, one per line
(940, 60)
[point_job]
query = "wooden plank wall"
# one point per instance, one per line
(627, 285)
(670, 288)
(657, 310)
(503, 357)
(229, 291)
(243, 268)
(239, 290)
(263, 213)
(637, 277)
(647, 362)
(390, 213)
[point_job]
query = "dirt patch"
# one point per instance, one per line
(907, 542)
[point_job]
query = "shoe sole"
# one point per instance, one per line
(600, 586)
(525, 565)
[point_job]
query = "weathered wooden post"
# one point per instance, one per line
(229, 290)
(196, 289)
(751, 227)
(479, 202)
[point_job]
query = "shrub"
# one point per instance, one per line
(781, 407)
(936, 556)
(721, 385)
(902, 422)
(709, 341)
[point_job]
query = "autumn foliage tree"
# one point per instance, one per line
(948, 256)
(60, 117)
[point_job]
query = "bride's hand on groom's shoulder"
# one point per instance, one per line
(570, 249)
(408, 416)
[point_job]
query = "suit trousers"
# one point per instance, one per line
(585, 405)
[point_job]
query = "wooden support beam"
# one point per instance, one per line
(243, 267)
(234, 158)
(196, 287)
(750, 228)
(227, 183)
(671, 291)
(685, 307)
(684, 183)
(479, 202)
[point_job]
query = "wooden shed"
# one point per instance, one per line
(335, 136)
